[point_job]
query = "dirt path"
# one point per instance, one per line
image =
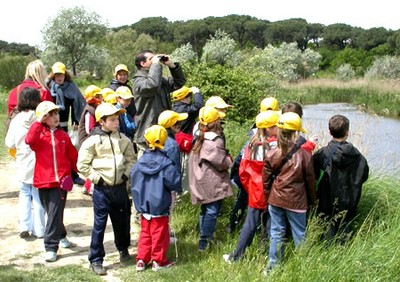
(78, 220)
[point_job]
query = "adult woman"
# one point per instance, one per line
(66, 95)
(35, 77)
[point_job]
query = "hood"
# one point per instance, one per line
(153, 162)
(29, 117)
(345, 155)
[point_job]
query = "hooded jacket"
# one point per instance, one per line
(15, 138)
(209, 171)
(154, 177)
(152, 95)
(55, 155)
(294, 187)
(104, 155)
(345, 174)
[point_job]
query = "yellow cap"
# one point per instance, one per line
(91, 91)
(217, 102)
(58, 68)
(181, 93)
(156, 135)
(209, 114)
(291, 121)
(269, 103)
(44, 108)
(108, 95)
(123, 92)
(169, 118)
(267, 119)
(106, 109)
(120, 67)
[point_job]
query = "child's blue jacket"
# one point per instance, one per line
(153, 178)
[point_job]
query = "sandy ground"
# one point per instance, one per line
(78, 220)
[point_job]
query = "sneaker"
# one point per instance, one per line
(50, 256)
(227, 258)
(24, 234)
(64, 243)
(173, 240)
(140, 265)
(98, 269)
(124, 256)
(157, 267)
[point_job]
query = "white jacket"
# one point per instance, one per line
(15, 138)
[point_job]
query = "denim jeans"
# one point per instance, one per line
(297, 222)
(31, 211)
(208, 222)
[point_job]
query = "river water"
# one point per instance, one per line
(377, 138)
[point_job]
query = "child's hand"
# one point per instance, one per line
(314, 139)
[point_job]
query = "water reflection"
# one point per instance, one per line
(376, 137)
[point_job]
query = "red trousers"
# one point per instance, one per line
(153, 240)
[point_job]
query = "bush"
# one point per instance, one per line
(386, 67)
(13, 70)
(345, 72)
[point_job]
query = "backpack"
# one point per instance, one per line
(250, 173)
(323, 186)
(185, 141)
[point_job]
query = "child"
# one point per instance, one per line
(250, 172)
(106, 158)
(155, 180)
(121, 78)
(181, 99)
(345, 170)
(209, 164)
(126, 123)
(93, 98)
(171, 121)
(31, 211)
(240, 205)
(55, 159)
(292, 190)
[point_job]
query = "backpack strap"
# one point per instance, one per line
(275, 173)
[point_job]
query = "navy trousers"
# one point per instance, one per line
(114, 202)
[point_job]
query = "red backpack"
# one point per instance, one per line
(185, 141)
(250, 173)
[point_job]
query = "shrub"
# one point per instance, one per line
(13, 70)
(345, 72)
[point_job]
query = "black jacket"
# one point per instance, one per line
(340, 188)
(192, 110)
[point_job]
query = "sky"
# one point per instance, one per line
(23, 21)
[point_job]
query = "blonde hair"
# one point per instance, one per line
(286, 139)
(37, 72)
(211, 127)
(258, 139)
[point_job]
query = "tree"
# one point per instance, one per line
(219, 49)
(72, 35)
(337, 36)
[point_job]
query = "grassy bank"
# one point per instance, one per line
(376, 97)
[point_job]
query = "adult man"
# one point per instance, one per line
(152, 91)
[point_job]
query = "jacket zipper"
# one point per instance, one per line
(53, 146)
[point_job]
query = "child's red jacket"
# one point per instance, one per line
(56, 157)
